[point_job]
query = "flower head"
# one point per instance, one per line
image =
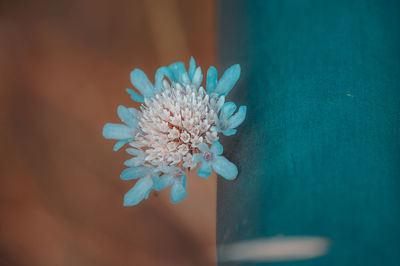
(212, 159)
(143, 186)
(227, 121)
(171, 176)
(121, 132)
(177, 123)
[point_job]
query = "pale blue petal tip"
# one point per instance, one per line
(160, 183)
(178, 69)
(132, 173)
(217, 148)
(192, 67)
(212, 76)
(228, 80)
(228, 109)
(138, 192)
(140, 80)
(238, 118)
(120, 144)
(161, 73)
(204, 170)
(135, 96)
(130, 162)
(225, 168)
(229, 132)
(178, 192)
(197, 78)
(116, 131)
(126, 116)
(184, 79)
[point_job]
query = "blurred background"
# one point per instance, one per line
(64, 67)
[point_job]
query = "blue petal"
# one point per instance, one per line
(185, 78)
(220, 102)
(197, 78)
(217, 148)
(117, 131)
(192, 67)
(140, 191)
(130, 162)
(135, 161)
(183, 181)
(212, 76)
(133, 172)
(135, 96)
(134, 112)
(228, 109)
(229, 132)
(228, 80)
(224, 168)
(134, 152)
(142, 83)
(147, 194)
(162, 182)
(197, 157)
(178, 191)
(161, 73)
(204, 170)
(238, 118)
(165, 168)
(126, 116)
(179, 71)
(120, 144)
(203, 147)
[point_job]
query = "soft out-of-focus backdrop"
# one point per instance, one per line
(64, 66)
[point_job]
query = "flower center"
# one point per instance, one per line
(177, 174)
(208, 156)
(174, 122)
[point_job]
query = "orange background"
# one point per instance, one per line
(65, 65)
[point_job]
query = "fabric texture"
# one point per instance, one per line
(319, 152)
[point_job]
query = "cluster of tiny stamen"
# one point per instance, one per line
(174, 122)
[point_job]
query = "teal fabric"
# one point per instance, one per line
(319, 152)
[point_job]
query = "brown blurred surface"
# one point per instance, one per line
(64, 66)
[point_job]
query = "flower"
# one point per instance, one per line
(143, 186)
(226, 82)
(177, 119)
(211, 158)
(171, 176)
(123, 133)
(227, 122)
